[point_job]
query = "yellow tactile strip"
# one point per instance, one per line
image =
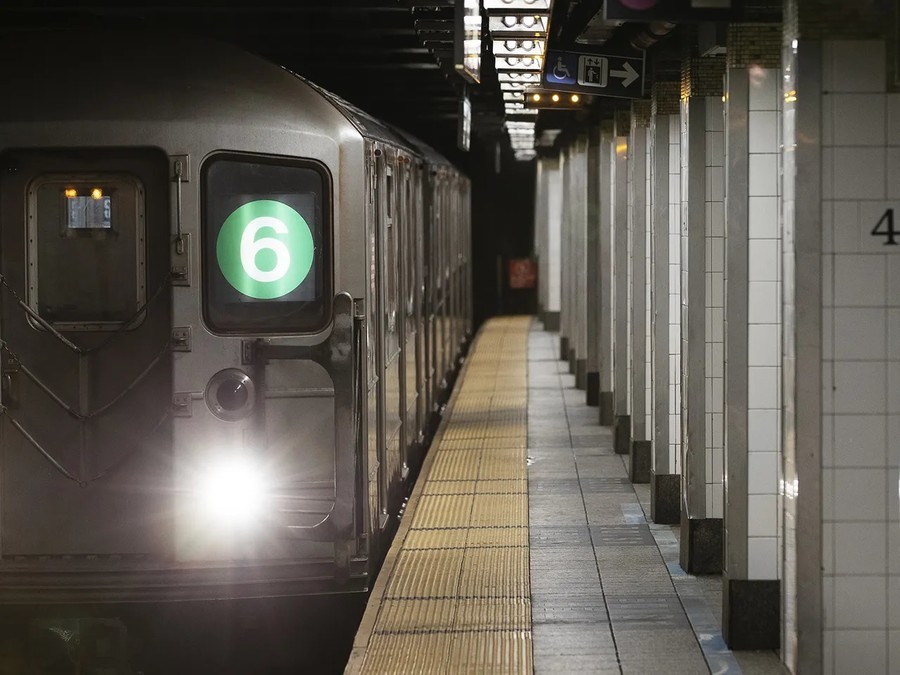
(454, 593)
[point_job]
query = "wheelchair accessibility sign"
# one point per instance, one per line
(595, 74)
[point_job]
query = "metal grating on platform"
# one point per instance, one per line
(454, 594)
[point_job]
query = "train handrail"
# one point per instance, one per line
(340, 356)
(81, 351)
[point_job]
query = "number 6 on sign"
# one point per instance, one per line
(267, 267)
(250, 247)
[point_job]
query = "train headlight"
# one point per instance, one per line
(233, 492)
(231, 394)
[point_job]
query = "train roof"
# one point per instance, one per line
(141, 74)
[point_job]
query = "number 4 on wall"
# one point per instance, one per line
(885, 228)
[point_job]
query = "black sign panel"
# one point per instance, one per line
(673, 10)
(594, 74)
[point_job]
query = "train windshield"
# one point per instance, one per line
(266, 245)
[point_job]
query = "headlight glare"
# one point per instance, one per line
(233, 492)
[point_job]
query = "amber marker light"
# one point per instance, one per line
(555, 98)
(96, 193)
(70, 192)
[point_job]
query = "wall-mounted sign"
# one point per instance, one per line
(596, 74)
(464, 128)
(467, 40)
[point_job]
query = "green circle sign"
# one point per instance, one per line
(265, 249)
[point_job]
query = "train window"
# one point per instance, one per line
(266, 245)
(86, 240)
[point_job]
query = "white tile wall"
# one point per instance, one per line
(860, 363)
(674, 293)
(648, 293)
(715, 303)
(764, 323)
(621, 323)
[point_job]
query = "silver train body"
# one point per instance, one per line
(231, 305)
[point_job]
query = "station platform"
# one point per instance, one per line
(526, 548)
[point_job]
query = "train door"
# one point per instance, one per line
(419, 292)
(438, 276)
(428, 287)
(390, 374)
(374, 360)
(85, 437)
(401, 230)
(408, 313)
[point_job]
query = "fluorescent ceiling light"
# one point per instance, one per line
(525, 24)
(517, 5)
(518, 63)
(518, 47)
(518, 76)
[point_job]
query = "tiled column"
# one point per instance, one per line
(665, 226)
(566, 340)
(703, 312)
(592, 379)
(576, 205)
(547, 226)
(751, 591)
(841, 361)
(640, 450)
(605, 264)
(619, 249)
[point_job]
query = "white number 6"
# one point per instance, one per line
(251, 247)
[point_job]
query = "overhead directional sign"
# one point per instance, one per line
(595, 74)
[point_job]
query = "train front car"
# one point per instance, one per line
(182, 236)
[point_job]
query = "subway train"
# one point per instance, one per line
(232, 306)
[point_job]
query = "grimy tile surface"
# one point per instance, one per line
(525, 548)
(608, 595)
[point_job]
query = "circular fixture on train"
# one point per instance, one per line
(230, 394)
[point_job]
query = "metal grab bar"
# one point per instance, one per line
(56, 464)
(46, 325)
(340, 355)
(68, 407)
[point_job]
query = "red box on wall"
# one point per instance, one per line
(522, 273)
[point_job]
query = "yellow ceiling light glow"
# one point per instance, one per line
(555, 98)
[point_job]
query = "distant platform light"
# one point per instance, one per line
(96, 193)
(555, 97)
(70, 193)
(535, 97)
(575, 98)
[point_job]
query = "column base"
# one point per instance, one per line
(622, 434)
(751, 613)
(593, 389)
(701, 545)
(607, 417)
(665, 498)
(571, 360)
(550, 321)
(580, 373)
(563, 348)
(639, 460)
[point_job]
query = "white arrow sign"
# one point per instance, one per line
(628, 75)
